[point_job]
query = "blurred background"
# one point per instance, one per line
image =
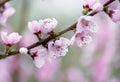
(97, 62)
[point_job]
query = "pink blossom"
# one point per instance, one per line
(58, 47)
(81, 39)
(23, 50)
(10, 39)
(116, 16)
(86, 23)
(34, 27)
(41, 57)
(7, 13)
(93, 5)
(48, 25)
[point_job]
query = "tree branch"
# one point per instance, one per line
(109, 2)
(43, 42)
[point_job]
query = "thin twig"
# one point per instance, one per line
(109, 2)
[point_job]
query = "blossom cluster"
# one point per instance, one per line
(42, 26)
(97, 6)
(54, 48)
(84, 31)
(57, 46)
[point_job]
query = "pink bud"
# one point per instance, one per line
(23, 50)
(48, 25)
(10, 39)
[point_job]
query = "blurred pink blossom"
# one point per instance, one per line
(101, 68)
(7, 68)
(75, 75)
(106, 39)
(7, 13)
(47, 72)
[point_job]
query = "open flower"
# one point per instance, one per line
(58, 47)
(92, 5)
(10, 39)
(41, 57)
(81, 39)
(34, 27)
(86, 23)
(48, 25)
